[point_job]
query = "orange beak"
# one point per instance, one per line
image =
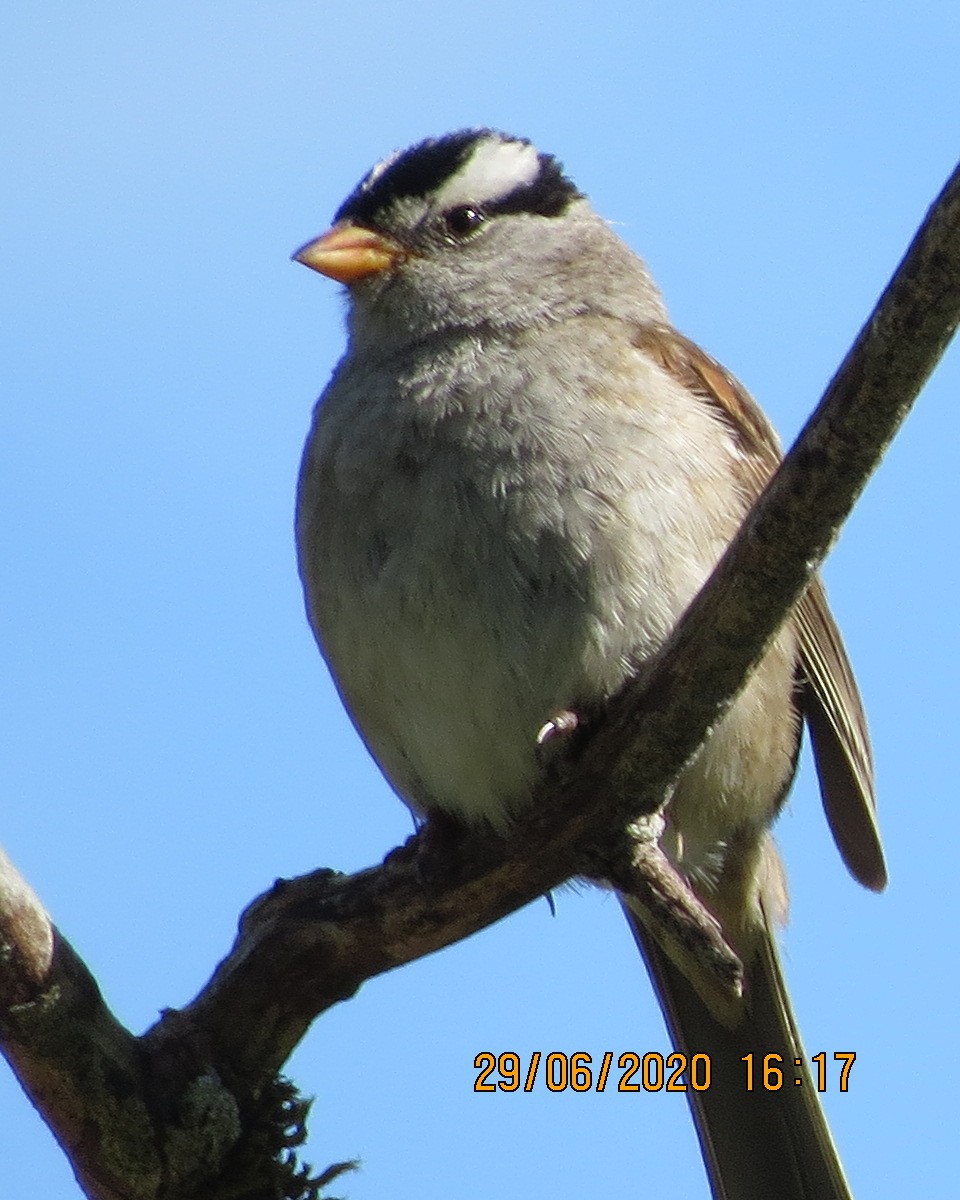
(347, 253)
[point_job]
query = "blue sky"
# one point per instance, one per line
(171, 742)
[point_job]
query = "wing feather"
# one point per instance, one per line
(829, 698)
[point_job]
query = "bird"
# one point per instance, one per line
(517, 478)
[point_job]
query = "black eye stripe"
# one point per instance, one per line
(423, 168)
(547, 196)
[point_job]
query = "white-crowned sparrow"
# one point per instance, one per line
(518, 477)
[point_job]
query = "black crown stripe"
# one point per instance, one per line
(422, 169)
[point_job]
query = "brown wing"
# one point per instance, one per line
(830, 699)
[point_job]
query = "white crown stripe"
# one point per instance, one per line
(493, 170)
(378, 170)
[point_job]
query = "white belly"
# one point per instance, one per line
(465, 588)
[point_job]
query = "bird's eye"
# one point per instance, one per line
(463, 220)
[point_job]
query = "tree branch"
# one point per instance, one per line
(193, 1080)
(80, 1067)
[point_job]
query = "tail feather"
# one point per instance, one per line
(756, 1144)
